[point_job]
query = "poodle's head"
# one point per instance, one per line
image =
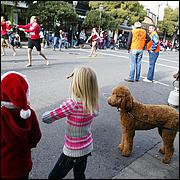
(121, 98)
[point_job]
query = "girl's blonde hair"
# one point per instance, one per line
(84, 85)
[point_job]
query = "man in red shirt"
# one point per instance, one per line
(33, 28)
(5, 27)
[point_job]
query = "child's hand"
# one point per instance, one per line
(46, 119)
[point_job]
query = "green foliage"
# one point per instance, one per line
(53, 10)
(170, 23)
(116, 11)
(93, 20)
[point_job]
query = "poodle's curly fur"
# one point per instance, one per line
(138, 116)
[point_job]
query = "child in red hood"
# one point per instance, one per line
(20, 130)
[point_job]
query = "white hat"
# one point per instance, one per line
(137, 25)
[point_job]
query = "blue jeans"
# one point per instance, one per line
(55, 42)
(135, 64)
(152, 61)
(74, 42)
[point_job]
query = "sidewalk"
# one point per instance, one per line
(149, 166)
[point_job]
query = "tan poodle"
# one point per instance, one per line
(138, 116)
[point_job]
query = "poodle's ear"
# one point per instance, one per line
(129, 102)
(122, 102)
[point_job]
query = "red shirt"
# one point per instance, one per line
(4, 28)
(18, 136)
(94, 37)
(33, 29)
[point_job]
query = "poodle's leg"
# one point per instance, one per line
(128, 143)
(161, 150)
(168, 137)
(121, 145)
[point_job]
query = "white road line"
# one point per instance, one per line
(157, 82)
(159, 58)
(127, 57)
(165, 65)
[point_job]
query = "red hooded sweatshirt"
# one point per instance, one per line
(18, 137)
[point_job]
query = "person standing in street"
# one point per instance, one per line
(80, 110)
(101, 40)
(34, 29)
(136, 42)
(153, 48)
(5, 27)
(82, 38)
(57, 37)
(94, 37)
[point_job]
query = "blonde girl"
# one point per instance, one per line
(94, 36)
(80, 110)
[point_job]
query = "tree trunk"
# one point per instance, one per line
(173, 40)
(164, 38)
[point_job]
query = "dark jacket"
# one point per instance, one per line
(56, 31)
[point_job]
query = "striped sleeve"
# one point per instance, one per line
(64, 110)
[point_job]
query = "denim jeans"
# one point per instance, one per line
(152, 61)
(74, 42)
(135, 64)
(65, 164)
(55, 42)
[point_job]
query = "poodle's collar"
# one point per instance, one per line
(128, 111)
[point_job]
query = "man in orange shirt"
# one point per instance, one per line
(136, 42)
(153, 48)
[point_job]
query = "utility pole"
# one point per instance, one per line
(73, 30)
(101, 8)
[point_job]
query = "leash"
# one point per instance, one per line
(162, 127)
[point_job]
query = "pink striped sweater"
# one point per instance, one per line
(78, 136)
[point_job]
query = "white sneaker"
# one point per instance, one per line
(47, 62)
(147, 80)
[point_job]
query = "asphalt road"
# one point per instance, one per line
(49, 87)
